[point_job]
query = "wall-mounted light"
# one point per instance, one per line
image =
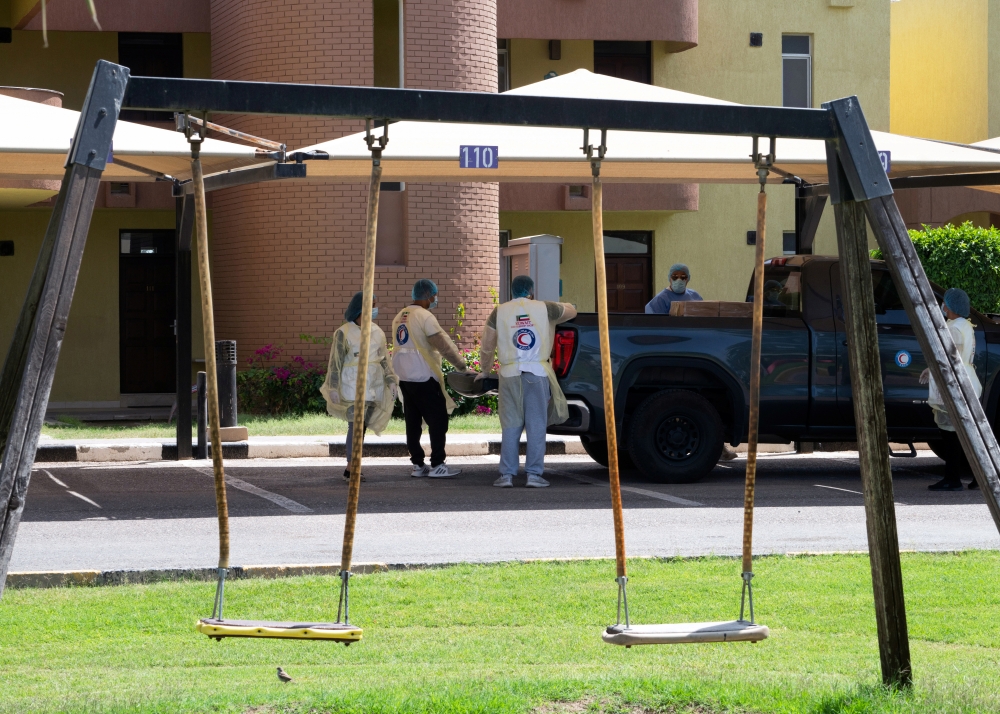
(555, 49)
(756, 39)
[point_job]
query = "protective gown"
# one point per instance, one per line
(964, 336)
(342, 376)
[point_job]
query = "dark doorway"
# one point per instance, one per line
(151, 54)
(628, 263)
(146, 308)
(625, 60)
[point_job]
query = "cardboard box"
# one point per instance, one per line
(711, 308)
(735, 309)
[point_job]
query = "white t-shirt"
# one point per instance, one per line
(412, 326)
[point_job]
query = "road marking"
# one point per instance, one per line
(54, 479)
(630, 489)
(83, 498)
(834, 488)
(241, 485)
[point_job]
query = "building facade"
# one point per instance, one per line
(286, 259)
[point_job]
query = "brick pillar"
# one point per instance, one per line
(287, 258)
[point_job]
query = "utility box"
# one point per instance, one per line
(225, 369)
(536, 256)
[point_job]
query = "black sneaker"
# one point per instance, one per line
(946, 484)
(973, 485)
(347, 476)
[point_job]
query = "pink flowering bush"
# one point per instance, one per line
(265, 388)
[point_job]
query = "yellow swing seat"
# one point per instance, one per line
(337, 631)
(731, 631)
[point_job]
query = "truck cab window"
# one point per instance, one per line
(782, 291)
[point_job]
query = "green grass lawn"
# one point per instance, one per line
(513, 638)
(307, 425)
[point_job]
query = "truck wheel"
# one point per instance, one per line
(598, 451)
(676, 437)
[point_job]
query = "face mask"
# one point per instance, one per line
(374, 312)
(943, 312)
(433, 304)
(678, 286)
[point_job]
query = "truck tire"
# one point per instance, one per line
(676, 437)
(597, 449)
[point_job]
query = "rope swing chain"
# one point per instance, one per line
(376, 146)
(195, 133)
(763, 164)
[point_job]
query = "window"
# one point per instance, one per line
(782, 291)
(788, 242)
(386, 42)
(796, 70)
(625, 60)
(503, 65)
(627, 242)
(154, 242)
(391, 233)
(151, 54)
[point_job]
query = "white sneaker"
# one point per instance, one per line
(420, 471)
(504, 482)
(442, 471)
(536, 482)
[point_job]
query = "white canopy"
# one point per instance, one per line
(428, 151)
(35, 138)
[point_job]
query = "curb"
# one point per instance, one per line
(50, 453)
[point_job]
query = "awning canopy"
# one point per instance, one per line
(35, 138)
(427, 151)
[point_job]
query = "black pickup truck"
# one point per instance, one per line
(682, 383)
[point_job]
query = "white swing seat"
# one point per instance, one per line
(336, 631)
(732, 631)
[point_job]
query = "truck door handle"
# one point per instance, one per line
(844, 343)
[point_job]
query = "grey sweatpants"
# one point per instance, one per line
(532, 418)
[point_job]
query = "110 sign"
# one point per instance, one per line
(478, 157)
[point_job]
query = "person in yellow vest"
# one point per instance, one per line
(340, 385)
(521, 332)
(419, 343)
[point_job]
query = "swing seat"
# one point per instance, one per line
(732, 631)
(287, 630)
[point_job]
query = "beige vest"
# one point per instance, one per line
(524, 344)
(375, 385)
(408, 334)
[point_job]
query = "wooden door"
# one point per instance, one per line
(146, 317)
(629, 286)
(634, 68)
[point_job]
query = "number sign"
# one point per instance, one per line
(478, 157)
(886, 158)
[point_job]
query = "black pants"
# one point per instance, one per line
(423, 401)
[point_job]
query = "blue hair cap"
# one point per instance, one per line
(353, 311)
(957, 301)
(424, 289)
(522, 286)
(681, 267)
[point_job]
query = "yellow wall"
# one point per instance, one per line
(850, 53)
(197, 55)
(712, 241)
(940, 72)
(88, 364)
(65, 66)
(529, 60)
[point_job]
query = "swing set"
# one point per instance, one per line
(859, 189)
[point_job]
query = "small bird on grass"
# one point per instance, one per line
(283, 676)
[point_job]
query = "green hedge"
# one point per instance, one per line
(963, 257)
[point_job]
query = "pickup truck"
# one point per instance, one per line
(682, 383)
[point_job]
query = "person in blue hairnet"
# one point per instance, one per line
(677, 291)
(419, 344)
(340, 385)
(956, 311)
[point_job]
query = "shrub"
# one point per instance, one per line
(963, 257)
(280, 389)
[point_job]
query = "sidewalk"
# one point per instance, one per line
(280, 447)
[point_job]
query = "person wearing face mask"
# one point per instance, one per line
(419, 344)
(677, 291)
(956, 311)
(339, 387)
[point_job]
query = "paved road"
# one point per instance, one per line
(113, 516)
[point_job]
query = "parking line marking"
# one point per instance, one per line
(834, 488)
(631, 489)
(241, 485)
(83, 498)
(58, 482)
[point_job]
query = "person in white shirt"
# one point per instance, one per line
(419, 343)
(340, 385)
(956, 311)
(521, 332)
